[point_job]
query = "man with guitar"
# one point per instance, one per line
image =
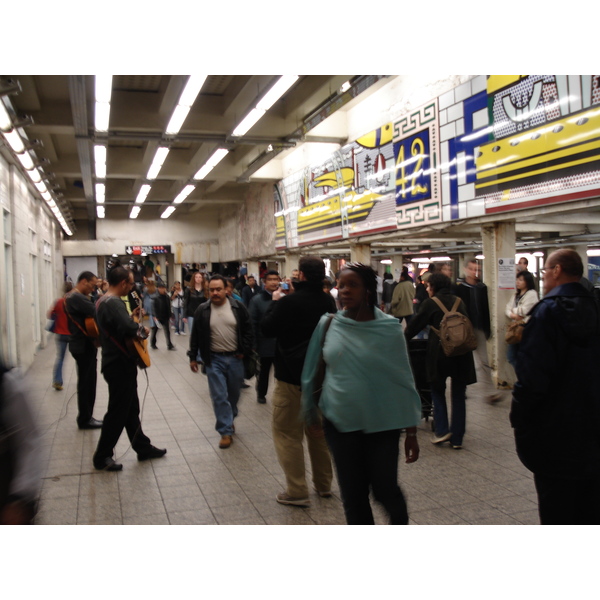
(119, 333)
(80, 308)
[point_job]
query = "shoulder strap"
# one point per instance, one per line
(326, 328)
(455, 305)
(440, 304)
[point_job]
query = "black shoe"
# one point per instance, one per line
(153, 452)
(261, 400)
(154, 347)
(107, 464)
(91, 424)
(245, 385)
(172, 348)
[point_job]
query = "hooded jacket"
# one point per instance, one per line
(555, 409)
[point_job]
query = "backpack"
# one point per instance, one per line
(456, 331)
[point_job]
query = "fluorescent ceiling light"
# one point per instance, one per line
(439, 258)
(279, 89)
(157, 163)
(168, 212)
(103, 88)
(135, 211)
(480, 257)
(14, 140)
(100, 211)
(185, 192)
(179, 116)
(100, 161)
(41, 186)
(25, 160)
(538, 254)
(100, 193)
(46, 196)
(143, 193)
(211, 163)
(34, 175)
(253, 116)
(5, 120)
(345, 87)
(593, 252)
(192, 89)
(102, 116)
(386, 261)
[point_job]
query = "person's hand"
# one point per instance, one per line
(185, 319)
(278, 293)
(136, 311)
(411, 448)
(194, 366)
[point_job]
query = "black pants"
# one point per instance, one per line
(365, 461)
(86, 382)
(262, 381)
(166, 327)
(123, 411)
(568, 501)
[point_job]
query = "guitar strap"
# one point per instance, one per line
(74, 321)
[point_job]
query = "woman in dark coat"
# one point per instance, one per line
(461, 369)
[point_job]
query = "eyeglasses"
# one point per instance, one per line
(544, 271)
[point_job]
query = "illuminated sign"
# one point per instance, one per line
(141, 250)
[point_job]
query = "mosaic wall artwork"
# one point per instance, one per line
(494, 143)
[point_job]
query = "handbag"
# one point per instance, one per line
(514, 332)
(320, 374)
(251, 365)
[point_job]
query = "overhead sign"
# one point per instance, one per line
(141, 250)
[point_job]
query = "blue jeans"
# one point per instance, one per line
(440, 410)
(225, 376)
(62, 343)
(178, 314)
(511, 354)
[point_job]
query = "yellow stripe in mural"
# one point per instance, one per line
(536, 172)
(497, 82)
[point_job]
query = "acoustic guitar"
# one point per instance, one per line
(91, 330)
(138, 347)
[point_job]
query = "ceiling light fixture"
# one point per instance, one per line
(14, 141)
(100, 211)
(185, 192)
(100, 161)
(103, 92)
(5, 120)
(25, 160)
(186, 100)
(100, 193)
(157, 163)
(168, 212)
(143, 193)
(211, 163)
(283, 84)
(135, 211)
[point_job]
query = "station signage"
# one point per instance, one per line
(145, 250)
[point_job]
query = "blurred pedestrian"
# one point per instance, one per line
(62, 333)
(518, 307)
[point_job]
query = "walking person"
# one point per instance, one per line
(460, 369)
(364, 350)
(161, 307)
(193, 296)
(222, 335)
(402, 298)
(62, 333)
(292, 319)
(265, 346)
(474, 294)
(177, 306)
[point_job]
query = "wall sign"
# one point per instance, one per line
(139, 250)
(506, 273)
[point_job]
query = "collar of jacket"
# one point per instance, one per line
(308, 285)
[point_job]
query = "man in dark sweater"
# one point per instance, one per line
(161, 306)
(120, 372)
(79, 307)
(292, 319)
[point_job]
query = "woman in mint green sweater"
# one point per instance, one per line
(368, 398)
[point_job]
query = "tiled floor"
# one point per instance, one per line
(196, 483)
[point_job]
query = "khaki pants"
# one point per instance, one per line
(288, 433)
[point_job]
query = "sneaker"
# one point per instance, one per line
(441, 439)
(324, 494)
(57, 386)
(493, 398)
(457, 446)
(284, 498)
(261, 400)
(226, 441)
(182, 333)
(177, 333)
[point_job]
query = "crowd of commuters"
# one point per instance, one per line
(332, 343)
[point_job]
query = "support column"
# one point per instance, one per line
(396, 266)
(252, 266)
(360, 253)
(291, 263)
(498, 242)
(581, 249)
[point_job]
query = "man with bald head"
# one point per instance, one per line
(555, 409)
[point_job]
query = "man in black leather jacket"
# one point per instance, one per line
(556, 401)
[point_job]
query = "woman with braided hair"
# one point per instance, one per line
(368, 397)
